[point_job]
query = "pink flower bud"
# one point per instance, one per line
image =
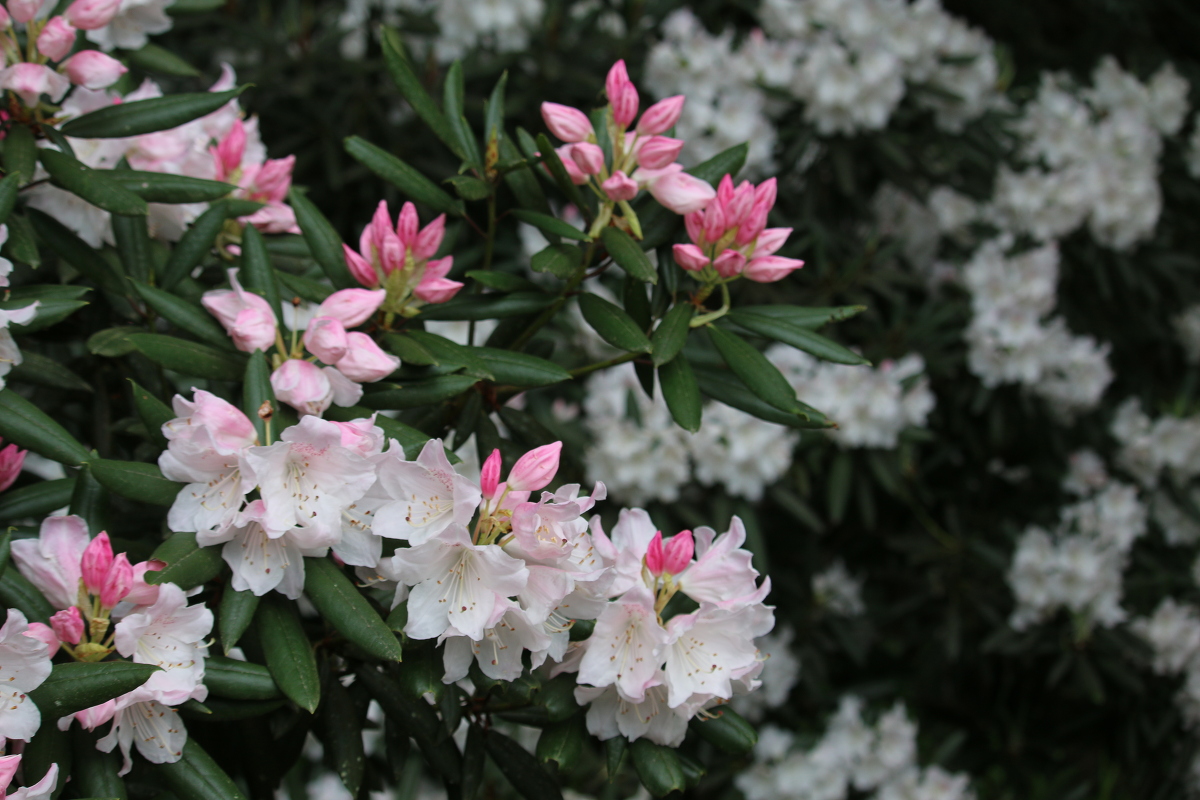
(434, 286)
(8, 769)
(654, 555)
(246, 317)
(12, 459)
(326, 339)
(694, 222)
(31, 81)
(364, 361)
(661, 116)
(568, 124)
(273, 179)
(24, 10)
(489, 476)
(360, 268)
(45, 634)
(768, 269)
(302, 385)
(352, 307)
(620, 186)
(407, 224)
(96, 561)
(5, 21)
(535, 469)
(229, 152)
(588, 157)
(675, 189)
(658, 151)
(738, 206)
(729, 263)
(622, 95)
(770, 240)
(68, 625)
(118, 583)
(142, 593)
(677, 553)
(690, 257)
(566, 156)
(88, 15)
(92, 69)
(714, 221)
(430, 239)
(56, 39)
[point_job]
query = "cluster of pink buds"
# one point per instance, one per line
(261, 179)
(53, 40)
(12, 458)
(641, 158)
(350, 357)
(400, 260)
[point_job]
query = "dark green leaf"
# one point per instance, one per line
(562, 743)
(22, 242)
(782, 330)
(681, 392)
(521, 369)
(448, 352)
(41, 370)
(723, 386)
(75, 686)
(152, 58)
(37, 500)
(287, 650)
(133, 245)
(657, 767)
(419, 393)
(559, 173)
(112, 342)
(49, 746)
(55, 303)
(417, 719)
(521, 769)
(74, 250)
(147, 116)
(493, 122)
(410, 86)
(344, 607)
(452, 106)
(92, 185)
(841, 476)
(760, 375)
(671, 334)
(341, 733)
(615, 750)
(196, 243)
(560, 260)
(89, 501)
(323, 240)
(8, 195)
(153, 412)
(17, 592)
(727, 162)
(402, 176)
(136, 480)
(811, 317)
(613, 324)
(239, 680)
(502, 281)
(490, 306)
(190, 358)
(523, 183)
(184, 315)
(474, 756)
(628, 254)
(24, 424)
(94, 773)
(469, 187)
(257, 391)
(305, 289)
(20, 152)
(196, 776)
(188, 564)
(234, 616)
(727, 730)
(549, 224)
(163, 187)
(256, 272)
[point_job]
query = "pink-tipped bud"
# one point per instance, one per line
(364, 361)
(88, 15)
(430, 239)
(680, 192)
(92, 69)
(118, 583)
(654, 555)
(489, 476)
(352, 307)
(97, 558)
(661, 116)
(5, 21)
(360, 268)
(620, 186)
(407, 224)
(568, 124)
(56, 39)
(677, 553)
(729, 263)
(588, 157)
(228, 153)
(714, 221)
(45, 634)
(68, 625)
(622, 95)
(690, 257)
(565, 155)
(24, 10)
(535, 469)
(658, 151)
(273, 180)
(325, 338)
(768, 269)
(12, 459)
(246, 317)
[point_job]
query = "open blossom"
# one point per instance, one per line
(171, 635)
(24, 665)
(51, 562)
(41, 790)
(426, 496)
(138, 718)
(31, 81)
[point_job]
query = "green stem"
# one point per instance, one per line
(712, 316)
(612, 362)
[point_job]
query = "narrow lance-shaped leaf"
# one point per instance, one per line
(235, 615)
(75, 686)
(89, 501)
(37, 500)
(549, 224)
(256, 390)
(190, 358)
(133, 245)
(162, 187)
(256, 273)
(344, 607)
(404, 177)
(197, 241)
(20, 152)
(341, 733)
(8, 195)
(196, 776)
(17, 592)
(288, 652)
(559, 173)
(452, 106)
(727, 730)
(185, 315)
(24, 424)
(613, 324)
(147, 116)
(681, 392)
(671, 334)
(493, 123)
(188, 564)
(74, 250)
(239, 680)
(136, 480)
(658, 768)
(521, 768)
(760, 375)
(414, 92)
(323, 240)
(783, 330)
(91, 185)
(628, 254)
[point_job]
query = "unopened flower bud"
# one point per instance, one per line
(489, 476)
(729, 263)
(435, 287)
(677, 553)
(620, 186)
(24, 10)
(588, 157)
(12, 459)
(535, 469)
(568, 124)
(658, 151)
(302, 385)
(654, 555)
(566, 156)
(45, 634)
(246, 317)
(364, 361)
(68, 625)
(360, 268)
(352, 307)
(118, 583)
(407, 224)
(92, 69)
(88, 15)
(661, 116)
(690, 257)
(768, 269)
(56, 39)
(96, 561)
(430, 238)
(325, 338)
(622, 95)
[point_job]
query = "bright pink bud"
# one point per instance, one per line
(360, 268)
(622, 95)
(24, 10)
(568, 124)
(88, 15)
(434, 286)
(96, 561)
(729, 263)
(676, 190)
(764, 194)
(326, 339)
(535, 469)
(142, 593)
(566, 156)
(690, 257)
(738, 206)
(56, 39)
(92, 69)
(246, 317)
(118, 583)
(489, 476)
(694, 222)
(364, 361)
(229, 152)
(725, 189)
(677, 553)
(68, 625)
(273, 179)
(769, 269)
(45, 634)
(770, 240)
(714, 221)
(430, 239)
(658, 151)
(588, 157)
(31, 81)
(352, 307)
(407, 224)
(5, 21)
(12, 459)
(302, 385)
(654, 555)
(8, 769)
(620, 186)
(661, 116)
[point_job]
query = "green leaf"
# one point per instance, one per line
(136, 480)
(75, 686)
(549, 224)
(417, 719)
(323, 240)
(94, 773)
(153, 412)
(188, 564)
(344, 607)
(727, 730)
(615, 750)
(24, 424)
(410, 350)
(239, 680)
(452, 106)
(410, 86)
(724, 387)
(89, 501)
(287, 650)
(559, 173)
(521, 369)
(493, 122)
(91, 185)
(628, 254)
(727, 162)
(74, 250)
(189, 358)
(422, 393)
(196, 243)
(490, 306)
(55, 303)
(256, 391)
(152, 58)
(657, 767)
(133, 245)
(782, 330)
(20, 152)
(474, 757)
(841, 478)
(448, 352)
(196, 776)
(811, 317)
(521, 181)
(760, 376)
(341, 733)
(613, 324)
(404, 177)
(184, 315)
(562, 743)
(671, 334)
(37, 500)
(235, 615)
(305, 289)
(17, 592)
(163, 187)
(681, 392)
(521, 768)
(40, 370)
(22, 243)
(147, 116)
(8, 195)
(502, 281)
(560, 260)
(112, 342)
(48, 747)
(469, 187)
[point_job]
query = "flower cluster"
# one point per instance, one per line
(106, 605)
(837, 591)
(1173, 633)
(462, 27)
(641, 158)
